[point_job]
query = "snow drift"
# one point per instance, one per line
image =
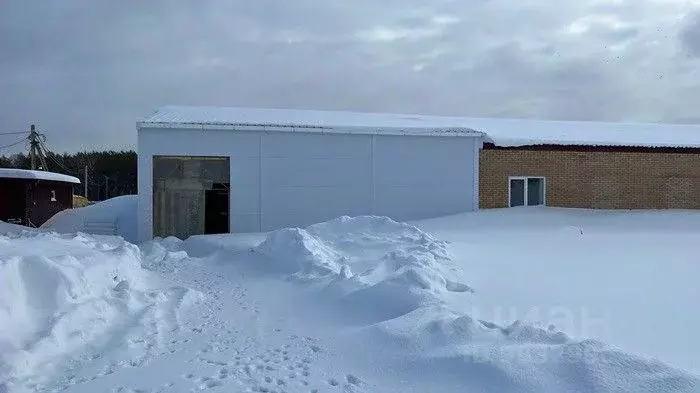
(521, 357)
(6, 228)
(162, 255)
(365, 259)
(393, 281)
(115, 216)
(63, 295)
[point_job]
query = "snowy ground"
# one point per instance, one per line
(626, 278)
(65, 299)
(361, 305)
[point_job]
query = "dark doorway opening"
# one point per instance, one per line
(216, 207)
(190, 195)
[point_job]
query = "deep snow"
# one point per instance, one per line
(114, 216)
(6, 228)
(367, 304)
(407, 301)
(628, 278)
(63, 298)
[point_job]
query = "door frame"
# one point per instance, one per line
(524, 178)
(183, 157)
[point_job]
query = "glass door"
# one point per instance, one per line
(526, 191)
(517, 192)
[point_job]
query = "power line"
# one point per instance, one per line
(13, 144)
(13, 133)
(55, 158)
(55, 161)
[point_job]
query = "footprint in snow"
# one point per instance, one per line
(223, 373)
(353, 380)
(209, 383)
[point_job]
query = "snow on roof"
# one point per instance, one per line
(13, 173)
(527, 132)
(499, 131)
(309, 120)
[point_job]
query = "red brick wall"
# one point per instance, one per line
(595, 179)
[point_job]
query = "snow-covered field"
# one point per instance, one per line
(522, 300)
(626, 278)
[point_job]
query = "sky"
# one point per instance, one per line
(84, 71)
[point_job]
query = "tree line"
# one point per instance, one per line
(110, 173)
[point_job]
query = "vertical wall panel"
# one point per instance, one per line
(283, 179)
(421, 177)
(314, 177)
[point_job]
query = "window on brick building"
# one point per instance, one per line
(526, 191)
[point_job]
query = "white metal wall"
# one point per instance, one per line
(283, 179)
(243, 149)
(308, 178)
(423, 177)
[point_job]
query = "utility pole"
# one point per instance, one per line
(86, 181)
(35, 149)
(106, 186)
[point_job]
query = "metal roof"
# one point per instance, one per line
(500, 131)
(302, 120)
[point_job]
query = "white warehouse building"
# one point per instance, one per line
(204, 170)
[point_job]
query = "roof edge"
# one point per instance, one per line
(303, 128)
(28, 174)
(594, 146)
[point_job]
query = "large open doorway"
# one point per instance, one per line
(190, 195)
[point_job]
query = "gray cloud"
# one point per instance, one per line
(690, 34)
(85, 70)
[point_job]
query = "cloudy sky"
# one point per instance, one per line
(85, 70)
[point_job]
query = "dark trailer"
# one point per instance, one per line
(30, 198)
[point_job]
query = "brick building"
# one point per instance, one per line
(590, 165)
